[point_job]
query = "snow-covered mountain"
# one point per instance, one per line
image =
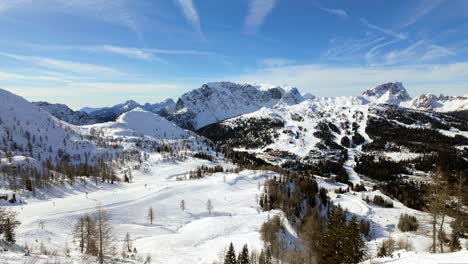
(441, 103)
(66, 114)
(107, 114)
(89, 110)
(213, 102)
(392, 93)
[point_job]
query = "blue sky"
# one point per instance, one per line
(102, 52)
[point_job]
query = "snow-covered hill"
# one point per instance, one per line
(28, 130)
(214, 102)
(66, 114)
(140, 123)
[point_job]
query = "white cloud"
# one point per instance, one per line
(257, 13)
(386, 31)
(129, 52)
(117, 12)
(325, 80)
(64, 65)
(420, 51)
(337, 12)
(424, 8)
(190, 12)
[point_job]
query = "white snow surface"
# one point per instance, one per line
(139, 123)
(176, 236)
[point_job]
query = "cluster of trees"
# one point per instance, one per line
(252, 133)
(419, 140)
(379, 201)
(408, 223)
(8, 224)
(380, 169)
(245, 258)
(204, 170)
(94, 235)
(342, 241)
(321, 227)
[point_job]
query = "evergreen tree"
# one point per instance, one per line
(243, 256)
(230, 257)
(10, 231)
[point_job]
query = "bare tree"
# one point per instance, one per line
(128, 242)
(182, 205)
(104, 234)
(438, 197)
(151, 215)
(209, 206)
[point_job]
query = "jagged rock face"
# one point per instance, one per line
(213, 102)
(66, 114)
(388, 93)
(425, 102)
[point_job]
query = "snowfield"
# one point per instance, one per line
(176, 236)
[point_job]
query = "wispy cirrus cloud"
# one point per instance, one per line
(129, 52)
(337, 12)
(386, 31)
(63, 65)
(424, 8)
(258, 11)
(190, 12)
(116, 12)
(420, 51)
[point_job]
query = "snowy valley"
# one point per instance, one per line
(284, 177)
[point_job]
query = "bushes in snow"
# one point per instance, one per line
(408, 223)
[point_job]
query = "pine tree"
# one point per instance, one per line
(331, 247)
(244, 256)
(354, 245)
(230, 257)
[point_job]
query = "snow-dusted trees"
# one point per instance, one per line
(150, 215)
(8, 224)
(230, 257)
(243, 257)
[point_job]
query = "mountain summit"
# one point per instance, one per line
(392, 93)
(214, 102)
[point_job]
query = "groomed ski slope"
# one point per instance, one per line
(176, 236)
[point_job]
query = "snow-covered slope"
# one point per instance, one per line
(28, 130)
(217, 101)
(311, 128)
(140, 123)
(66, 114)
(388, 93)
